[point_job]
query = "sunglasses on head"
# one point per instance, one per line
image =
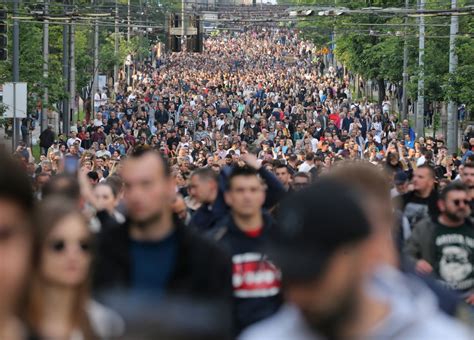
(59, 246)
(457, 203)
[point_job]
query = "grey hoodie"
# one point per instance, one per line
(414, 314)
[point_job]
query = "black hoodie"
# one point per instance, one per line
(256, 281)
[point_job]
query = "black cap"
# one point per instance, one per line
(312, 225)
(401, 178)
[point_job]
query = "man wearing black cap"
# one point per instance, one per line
(333, 280)
(172, 138)
(401, 184)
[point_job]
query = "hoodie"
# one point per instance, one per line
(414, 314)
(256, 281)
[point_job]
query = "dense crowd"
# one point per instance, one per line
(238, 193)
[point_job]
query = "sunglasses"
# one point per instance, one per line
(300, 185)
(59, 246)
(457, 203)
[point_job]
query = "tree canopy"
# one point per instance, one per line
(372, 46)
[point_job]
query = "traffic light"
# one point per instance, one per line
(3, 35)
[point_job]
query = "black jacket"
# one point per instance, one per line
(202, 270)
(46, 138)
(256, 281)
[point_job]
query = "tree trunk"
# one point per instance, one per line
(444, 119)
(381, 86)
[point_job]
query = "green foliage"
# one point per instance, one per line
(372, 46)
(31, 49)
(460, 87)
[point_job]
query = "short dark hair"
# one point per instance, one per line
(112, 187)
(245, 171)
(429, 168)
(205, 174)
(14, 183)
(309, 156)
(469, 165)
(453, 186)
(143, 150)
(303, 175)
(93, 175)
(280, 165)
(116, 183)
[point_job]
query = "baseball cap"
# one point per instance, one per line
(312, 225)
(401, 178)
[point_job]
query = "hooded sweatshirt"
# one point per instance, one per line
(256, 281)
(413, 314)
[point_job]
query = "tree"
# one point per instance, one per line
(31, 45)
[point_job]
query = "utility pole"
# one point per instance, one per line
(95, 81)
(405, 68)
(128, 21)
(116, 43)
(16, 72)
(65, 106)
(452, 138)
(421, 78)
(183, 27)
(44, 113)
(72, 72)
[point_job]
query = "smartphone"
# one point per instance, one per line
(70, 165)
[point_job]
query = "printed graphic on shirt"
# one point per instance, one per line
(455, 259)
(254, 276)
(415, 212)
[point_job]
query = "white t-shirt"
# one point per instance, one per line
(103, 99)
(305, 167)
(220, 123)
(97, 100)
(98, 122)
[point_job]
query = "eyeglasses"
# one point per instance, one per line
(457, 203)
(59, 246)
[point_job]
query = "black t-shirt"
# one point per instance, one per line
(415, 208)
(111, 121)
(454, 256)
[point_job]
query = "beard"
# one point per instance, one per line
(145, 222)
(330, 322)
(456, 216)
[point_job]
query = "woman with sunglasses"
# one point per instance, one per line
(58, 305)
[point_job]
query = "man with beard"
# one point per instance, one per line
(445, 246)
(334, 281)
(154, 253)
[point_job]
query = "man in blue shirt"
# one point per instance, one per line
(153, 253)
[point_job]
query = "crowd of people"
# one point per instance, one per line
(238, 193)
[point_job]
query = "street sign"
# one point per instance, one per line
(210, 16)
(179, 31)
(19, 92)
